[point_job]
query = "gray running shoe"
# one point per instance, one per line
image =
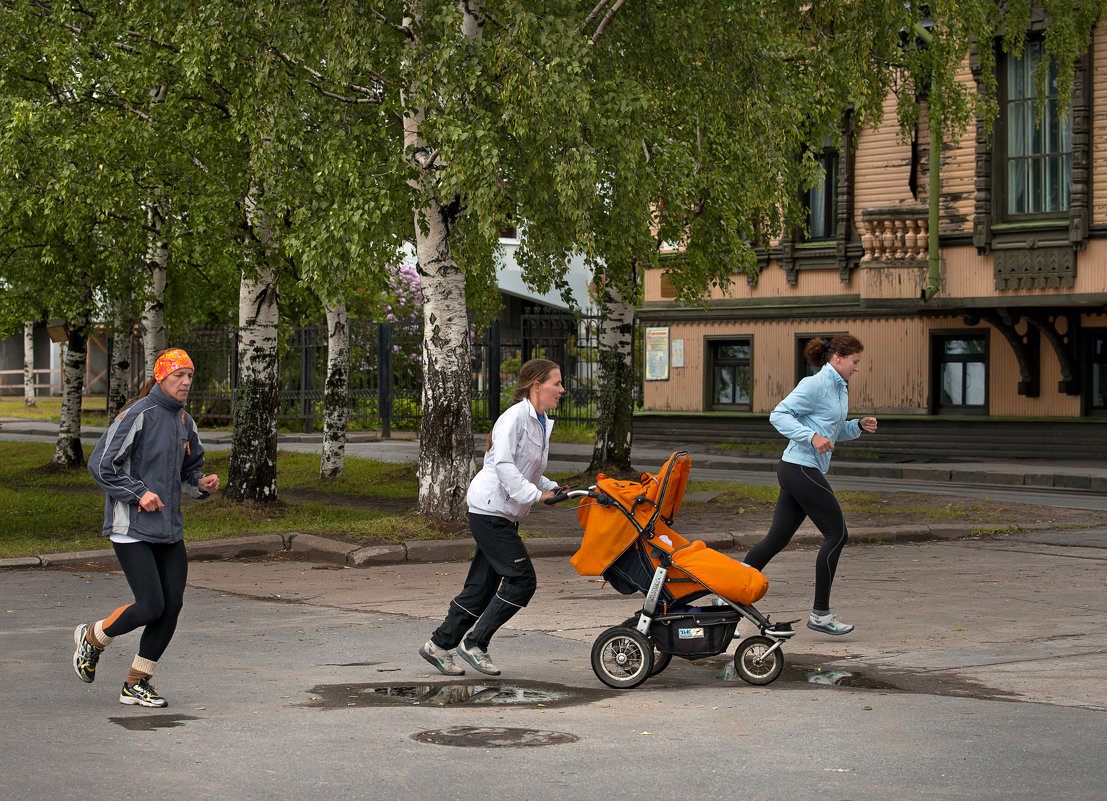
(86, 656)
(478, 658)
(142, 694)
(442, 659)
(828, 624)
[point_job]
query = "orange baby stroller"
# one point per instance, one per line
(628, 541)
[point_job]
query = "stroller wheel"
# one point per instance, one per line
(756, 662)
(622, 658)
(660, 662)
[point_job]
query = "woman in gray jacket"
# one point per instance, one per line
(501, 578)
(146, 458)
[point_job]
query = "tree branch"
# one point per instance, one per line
(605, 21)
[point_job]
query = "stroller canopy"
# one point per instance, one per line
(627, 531)
(633, 506)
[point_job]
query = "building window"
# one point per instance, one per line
(731, 375)
(1033, 180)
(825, 238)
(803, 369)
(1097, 374)
(1039, 150)
(961, 372)
(821, 200)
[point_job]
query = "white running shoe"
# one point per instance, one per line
(828, 624)
(478, 658)
(441, 659)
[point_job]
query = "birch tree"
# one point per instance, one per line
(336, 395)
(29, 364)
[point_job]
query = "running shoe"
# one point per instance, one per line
(442, 659)
(828, 624)
(86, 656)
(478, 658)
(142, 694)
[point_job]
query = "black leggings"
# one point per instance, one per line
(804, 492)
(157, 574)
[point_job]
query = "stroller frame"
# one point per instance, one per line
(625, 656)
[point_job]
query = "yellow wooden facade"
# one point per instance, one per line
(877, 296)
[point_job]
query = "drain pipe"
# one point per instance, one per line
(932, 224)
(925, 38)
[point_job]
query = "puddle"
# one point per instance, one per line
(462, 693)
(807, 675)
(152, 722)
(493, 737)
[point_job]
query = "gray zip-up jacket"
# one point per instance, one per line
(152, 445)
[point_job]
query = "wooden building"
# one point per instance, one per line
(1018, 325)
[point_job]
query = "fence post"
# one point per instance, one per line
(384, 377)
(492, 363)
(306, 377)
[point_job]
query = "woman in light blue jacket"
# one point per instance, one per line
(501, 578)
(813, 418)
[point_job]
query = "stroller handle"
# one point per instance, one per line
(564, 493)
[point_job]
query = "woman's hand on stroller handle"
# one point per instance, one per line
(563, 493)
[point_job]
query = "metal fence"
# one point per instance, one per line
(386, 371)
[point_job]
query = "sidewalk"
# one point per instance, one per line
(1080, 476)
(1077, 474)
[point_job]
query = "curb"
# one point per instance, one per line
(325, 550)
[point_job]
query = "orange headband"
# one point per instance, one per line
(171, 361)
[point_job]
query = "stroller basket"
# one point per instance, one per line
(694, 634)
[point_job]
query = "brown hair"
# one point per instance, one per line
(534, 371)
(142, 393)
(818, 350)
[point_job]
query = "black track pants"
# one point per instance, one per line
(804, 492)
(157, 574)
(501, 581)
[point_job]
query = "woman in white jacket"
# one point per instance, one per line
(501, 578)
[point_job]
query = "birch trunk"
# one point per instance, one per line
(336, 396)
(446, 428)
(119, 371)
(68, 451)
(153, 313)
(615, 401)
(29, 398)
(252, 473)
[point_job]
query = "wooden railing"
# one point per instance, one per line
(894, 233)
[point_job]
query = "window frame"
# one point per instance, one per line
(1090, 336)
(1051, 239)
(711, 344)
(938, 360)
(1029, 104)
(827, 156)
(842, 250)
(801, 341)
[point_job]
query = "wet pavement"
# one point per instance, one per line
(977, 671)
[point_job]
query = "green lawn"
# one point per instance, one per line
(46, 510)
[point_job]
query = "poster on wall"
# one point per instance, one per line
(677, 350)
(657, 353)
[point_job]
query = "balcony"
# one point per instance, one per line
(894, 235)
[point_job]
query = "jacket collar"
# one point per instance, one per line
(835, 377)
(163, 400)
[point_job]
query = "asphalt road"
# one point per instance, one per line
(977, 669)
